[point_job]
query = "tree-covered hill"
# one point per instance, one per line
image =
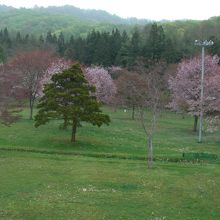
(66, 19)
(97, 37)
(90, 15)
(79, 22)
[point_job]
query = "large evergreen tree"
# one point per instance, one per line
(61, 44)
(155, 45)
(68, 97)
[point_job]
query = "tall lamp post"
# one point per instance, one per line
(202, 44)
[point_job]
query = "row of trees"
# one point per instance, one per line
(149, 43)
(25, 76)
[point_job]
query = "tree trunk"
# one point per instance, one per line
(183, 115)
(150, 152)
(195, 123)
(65, 123)
(73, 137)
(31, 104)
(133, 111)
(114, 108)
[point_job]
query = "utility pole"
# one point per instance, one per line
(202, 44)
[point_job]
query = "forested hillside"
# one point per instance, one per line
(66, 19)
(97, 37)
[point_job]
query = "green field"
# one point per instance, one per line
(104, 175)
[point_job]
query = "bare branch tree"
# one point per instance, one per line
(32, 67)
(149, 108)
(11, 94)
(131, 90)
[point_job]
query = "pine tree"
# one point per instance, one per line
(155, 45)
(49, 38)
(18, 38)
(41, 39)
(6, 37)
(61, 44)
(68, 97)
(26, 39)
(134, 47)
(215, 48)
(115, 45)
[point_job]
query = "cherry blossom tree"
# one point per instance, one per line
(56, 66)
(101, 79)
(185, 87)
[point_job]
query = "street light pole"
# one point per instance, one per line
(203, 44)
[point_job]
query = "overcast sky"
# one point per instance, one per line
(150, 9)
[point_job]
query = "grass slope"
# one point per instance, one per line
(123, 137)
(57, 186)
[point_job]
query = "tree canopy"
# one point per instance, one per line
(69, 97)
(185, 87)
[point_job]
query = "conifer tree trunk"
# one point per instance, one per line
(73, 137)
(65, 123)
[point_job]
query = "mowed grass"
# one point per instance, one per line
(123, 136)
(36, 186)
(57, 186)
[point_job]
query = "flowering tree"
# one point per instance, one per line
(32, 67)
(56, 66)
(101, 79)
(185, 87)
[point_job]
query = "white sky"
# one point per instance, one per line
(150, 9)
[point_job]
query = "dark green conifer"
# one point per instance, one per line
(69, 98)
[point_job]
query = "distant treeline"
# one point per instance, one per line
(151, 43)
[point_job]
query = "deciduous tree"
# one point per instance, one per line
(185, 87)
(153, 101)
(11, 94)
(101, 79)
(32, 67)
(56, 66)
(131, 90)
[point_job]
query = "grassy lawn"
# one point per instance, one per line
(57, 186)
(123, 137)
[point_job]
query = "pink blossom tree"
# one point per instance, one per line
(101, 79)
(56, 66)
(185, 87)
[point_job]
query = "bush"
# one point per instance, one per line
(199, 156)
